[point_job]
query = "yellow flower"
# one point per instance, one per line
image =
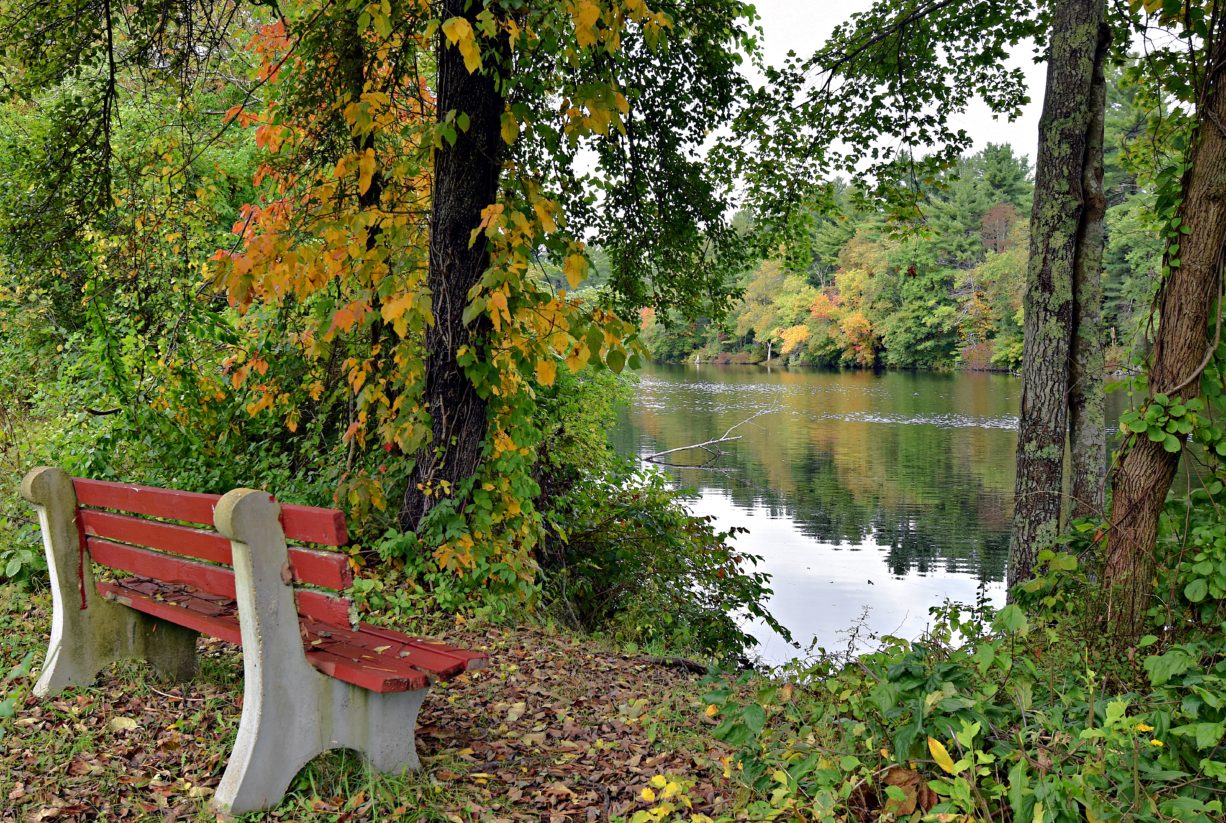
(648, 795)
(1156, 743)
(712, 710)
(1144, 727)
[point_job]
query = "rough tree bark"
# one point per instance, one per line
(1057, 231)
(1145, 471)
(1087, 395)
(465, 182)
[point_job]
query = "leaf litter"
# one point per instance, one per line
(556, 729)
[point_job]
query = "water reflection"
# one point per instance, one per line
(901, 479)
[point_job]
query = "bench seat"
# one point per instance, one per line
(377, 659)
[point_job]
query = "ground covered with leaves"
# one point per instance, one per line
(555, 729)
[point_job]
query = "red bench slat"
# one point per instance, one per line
(314, 525)
(372, 675)
(364, 676)
(212, 579)
(308, 524)
(168, 503)
(359, 655)
(433, 662)
(217, 580)
(204, 545)
(472, 660)
(224, 627)
(330, 570)
(325, 607)
(319, 568)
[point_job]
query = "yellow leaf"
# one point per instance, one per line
(575, 268)
(366, 170)
(941, 755)
(546, 371)
(121, 724)
(459, 32)
(510, 128)
(648, 795)
(544, 213)
(586, 14)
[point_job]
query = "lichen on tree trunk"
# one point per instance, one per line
(1086, 399)
(1058, 229)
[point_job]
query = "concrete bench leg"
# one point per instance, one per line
(279, 734)
(89, 633)
(292, 712)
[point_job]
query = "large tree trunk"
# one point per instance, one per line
(1056, 231)
(1087, 400)
(1143, 478)
(465, 182)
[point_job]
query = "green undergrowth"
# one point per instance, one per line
(992, 715)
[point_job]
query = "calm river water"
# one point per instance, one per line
(881, 492)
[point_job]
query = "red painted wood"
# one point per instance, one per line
(213, 579)
(330, 570)
(368, 675)
(364, 676)
(224, 627)
(308, 524)
(169, 503)
(319, 568)
(204, 545)
(327, 608)
(399, 647)
(314, 525)
(472, 660)
(361, 656)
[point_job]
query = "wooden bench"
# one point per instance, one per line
(314, 678)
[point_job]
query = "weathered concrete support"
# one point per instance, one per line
(292, 712)
(89, 633)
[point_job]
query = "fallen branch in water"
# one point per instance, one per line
(706, 445)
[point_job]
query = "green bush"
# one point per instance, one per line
(627, 556)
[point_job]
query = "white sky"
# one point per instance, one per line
(802, 26)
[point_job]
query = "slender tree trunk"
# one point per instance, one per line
(1143, 477)
(465, 182)
(1087, 400)
(1056, 228)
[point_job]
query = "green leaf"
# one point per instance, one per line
(1196, 590)
(754, 717)
(1163, 667)
(616, 360)
(1011, 620)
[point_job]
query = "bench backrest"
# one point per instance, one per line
(117, 532)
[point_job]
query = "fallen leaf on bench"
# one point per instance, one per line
(381, 649)
(517, 711)
(122, 724)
